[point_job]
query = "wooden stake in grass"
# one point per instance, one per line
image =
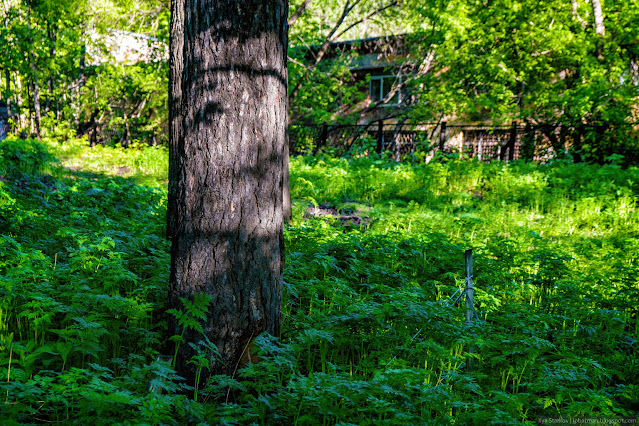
(470, 294)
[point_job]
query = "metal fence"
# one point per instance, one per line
(539, 142)
(344, 139)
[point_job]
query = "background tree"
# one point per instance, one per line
(228, 121)
(51, 77)
(547, 63)
(324, 90)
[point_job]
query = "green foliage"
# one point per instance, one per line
(44, 42)
(370, 334)
(189, 318)
(325, 94)
(130, 102)
(543, 62)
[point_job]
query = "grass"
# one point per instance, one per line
(369, 334)
(148, 166)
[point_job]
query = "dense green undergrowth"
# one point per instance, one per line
(370, 334)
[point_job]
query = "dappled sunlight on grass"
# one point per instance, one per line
(369, 335)
(148, 165)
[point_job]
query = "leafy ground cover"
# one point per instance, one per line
(370, 334)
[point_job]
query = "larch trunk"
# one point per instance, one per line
(228, 105)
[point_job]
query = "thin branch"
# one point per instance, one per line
(300, 10)
(307, 46)
(297, 63)
(575, 13)
(348, 8)
(367, 17)
(423, 69)
(324, 47)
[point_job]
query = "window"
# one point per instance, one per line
(380, 86)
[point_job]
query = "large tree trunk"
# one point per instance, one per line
(228, 105)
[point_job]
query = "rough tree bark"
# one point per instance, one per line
(227, 117)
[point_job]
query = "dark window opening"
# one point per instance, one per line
(380, 86)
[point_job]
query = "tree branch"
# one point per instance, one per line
(424, 68)
(324, 47)
(366, 18)
(348, 8)
(300, 10)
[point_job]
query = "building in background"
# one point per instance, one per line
(125, 47)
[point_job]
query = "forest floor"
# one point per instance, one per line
(374, 262)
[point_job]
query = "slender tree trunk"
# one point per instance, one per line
(7, 79)
(575, 13)
(80, 83)
(4, 116)
(29, 98)
(634, 71)
(36, 96)
(599, 18)
(287, 207)
(35, 92)
(52, 34)
(83, 58)
(22, 119)
(126, 138)
(228, 105)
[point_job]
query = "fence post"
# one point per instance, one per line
(4, 120)
(470, 295)
(527, 149)
(513, 140)
(323, 135)
(442, 136)
(380, 137)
